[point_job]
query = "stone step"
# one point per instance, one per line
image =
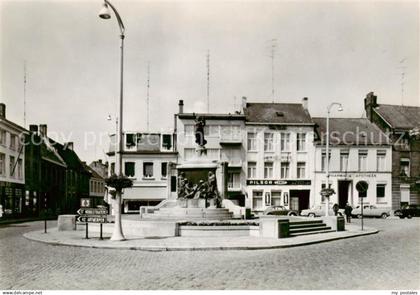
(305, 225)
(305, 222)
(309, 229)
(311, 233)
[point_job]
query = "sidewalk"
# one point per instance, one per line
(76, 239)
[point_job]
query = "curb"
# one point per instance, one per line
(221, 248)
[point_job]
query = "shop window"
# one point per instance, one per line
(380, 190)
(276, 198)
(148, 169)
(257, 201)
(267, 198)
(129, 169)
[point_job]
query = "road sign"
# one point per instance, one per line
(93, 219)
(84, 202)
(92, 211)
(362, 186)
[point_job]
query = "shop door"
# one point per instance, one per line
(299, 199)
(343, 192)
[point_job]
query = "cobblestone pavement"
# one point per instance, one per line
(387, 260)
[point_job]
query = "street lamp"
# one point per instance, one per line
(340, 109)
(117, 234)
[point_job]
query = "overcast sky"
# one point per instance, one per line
(327, 51)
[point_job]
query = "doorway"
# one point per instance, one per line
(299, 199)
(343, 192)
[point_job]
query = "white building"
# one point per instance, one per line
(358, 151)
(147, 159)
(280, 148)
(225, 153)
(12, 161)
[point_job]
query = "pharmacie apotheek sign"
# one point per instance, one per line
(277, 182)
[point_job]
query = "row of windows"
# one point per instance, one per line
(272, 198)
(227, 131)
(269, 144)
(284, 170)
(15, 167)
(362, 160)
(14, 142)
(97, 186)
(130, 169)
(380, 191)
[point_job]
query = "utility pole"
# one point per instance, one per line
(402, 67)
(272, 55)
(24, 93)
(148, 93)
(208, 81)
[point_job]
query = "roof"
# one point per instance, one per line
(399, 117)
(277, 113)
(210, 116)
(70, 157)
(13, 125)
(93, 173)
(351, 131)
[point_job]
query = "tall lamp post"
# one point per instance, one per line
(117, 234)
(340, 108)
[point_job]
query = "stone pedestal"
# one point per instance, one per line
(335, 222)
(274, 227)
(66, 222)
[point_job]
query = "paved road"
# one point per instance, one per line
(387, 260)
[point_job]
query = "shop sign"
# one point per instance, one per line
(92, 211)
(353, 175)
(277, 182)
(92, 219)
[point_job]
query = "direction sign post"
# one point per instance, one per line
(92, 215)
(362, 187)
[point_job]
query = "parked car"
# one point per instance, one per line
(280, 210)
(408, 211)
(319, 210)
(371, 211)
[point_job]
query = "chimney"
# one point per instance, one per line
(33, 128)
(243, 102)
(2, 110)
(43, 129)
(69, 145)
(305, 103)
(181, 106)
(370, 103)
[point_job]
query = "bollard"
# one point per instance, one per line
(100, 237)
(87, 236)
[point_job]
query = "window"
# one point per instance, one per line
(363, 160)
(2, 137)
(301, 173)
(164, 169)
(257, 201)
(166, 141)
(380, 190)
(148, 169)
(189, 130)
(301, 142)
(276, 198)
(405, 167)
(130, 139)
(285, 141)
(19, 169)
(284, 170)
(129, 168)
(112, 168)
(13, 138)
(380, 160)
(2, 164)
(11, 164)
(233, 180)
(324, 160)
(252, 141)
(268, 142)
(252, 169)
(268, 170)
(344, 160)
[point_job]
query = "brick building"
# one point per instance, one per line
(400, 123)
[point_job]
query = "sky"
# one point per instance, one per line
(331, 51)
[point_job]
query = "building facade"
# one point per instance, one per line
(12, 172)
(400, 123)
(148, 159)
(279, 155)
(359, 151)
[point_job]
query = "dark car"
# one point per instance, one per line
(280, 210)
(408, 211)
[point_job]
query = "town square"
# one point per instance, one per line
(243, 145)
